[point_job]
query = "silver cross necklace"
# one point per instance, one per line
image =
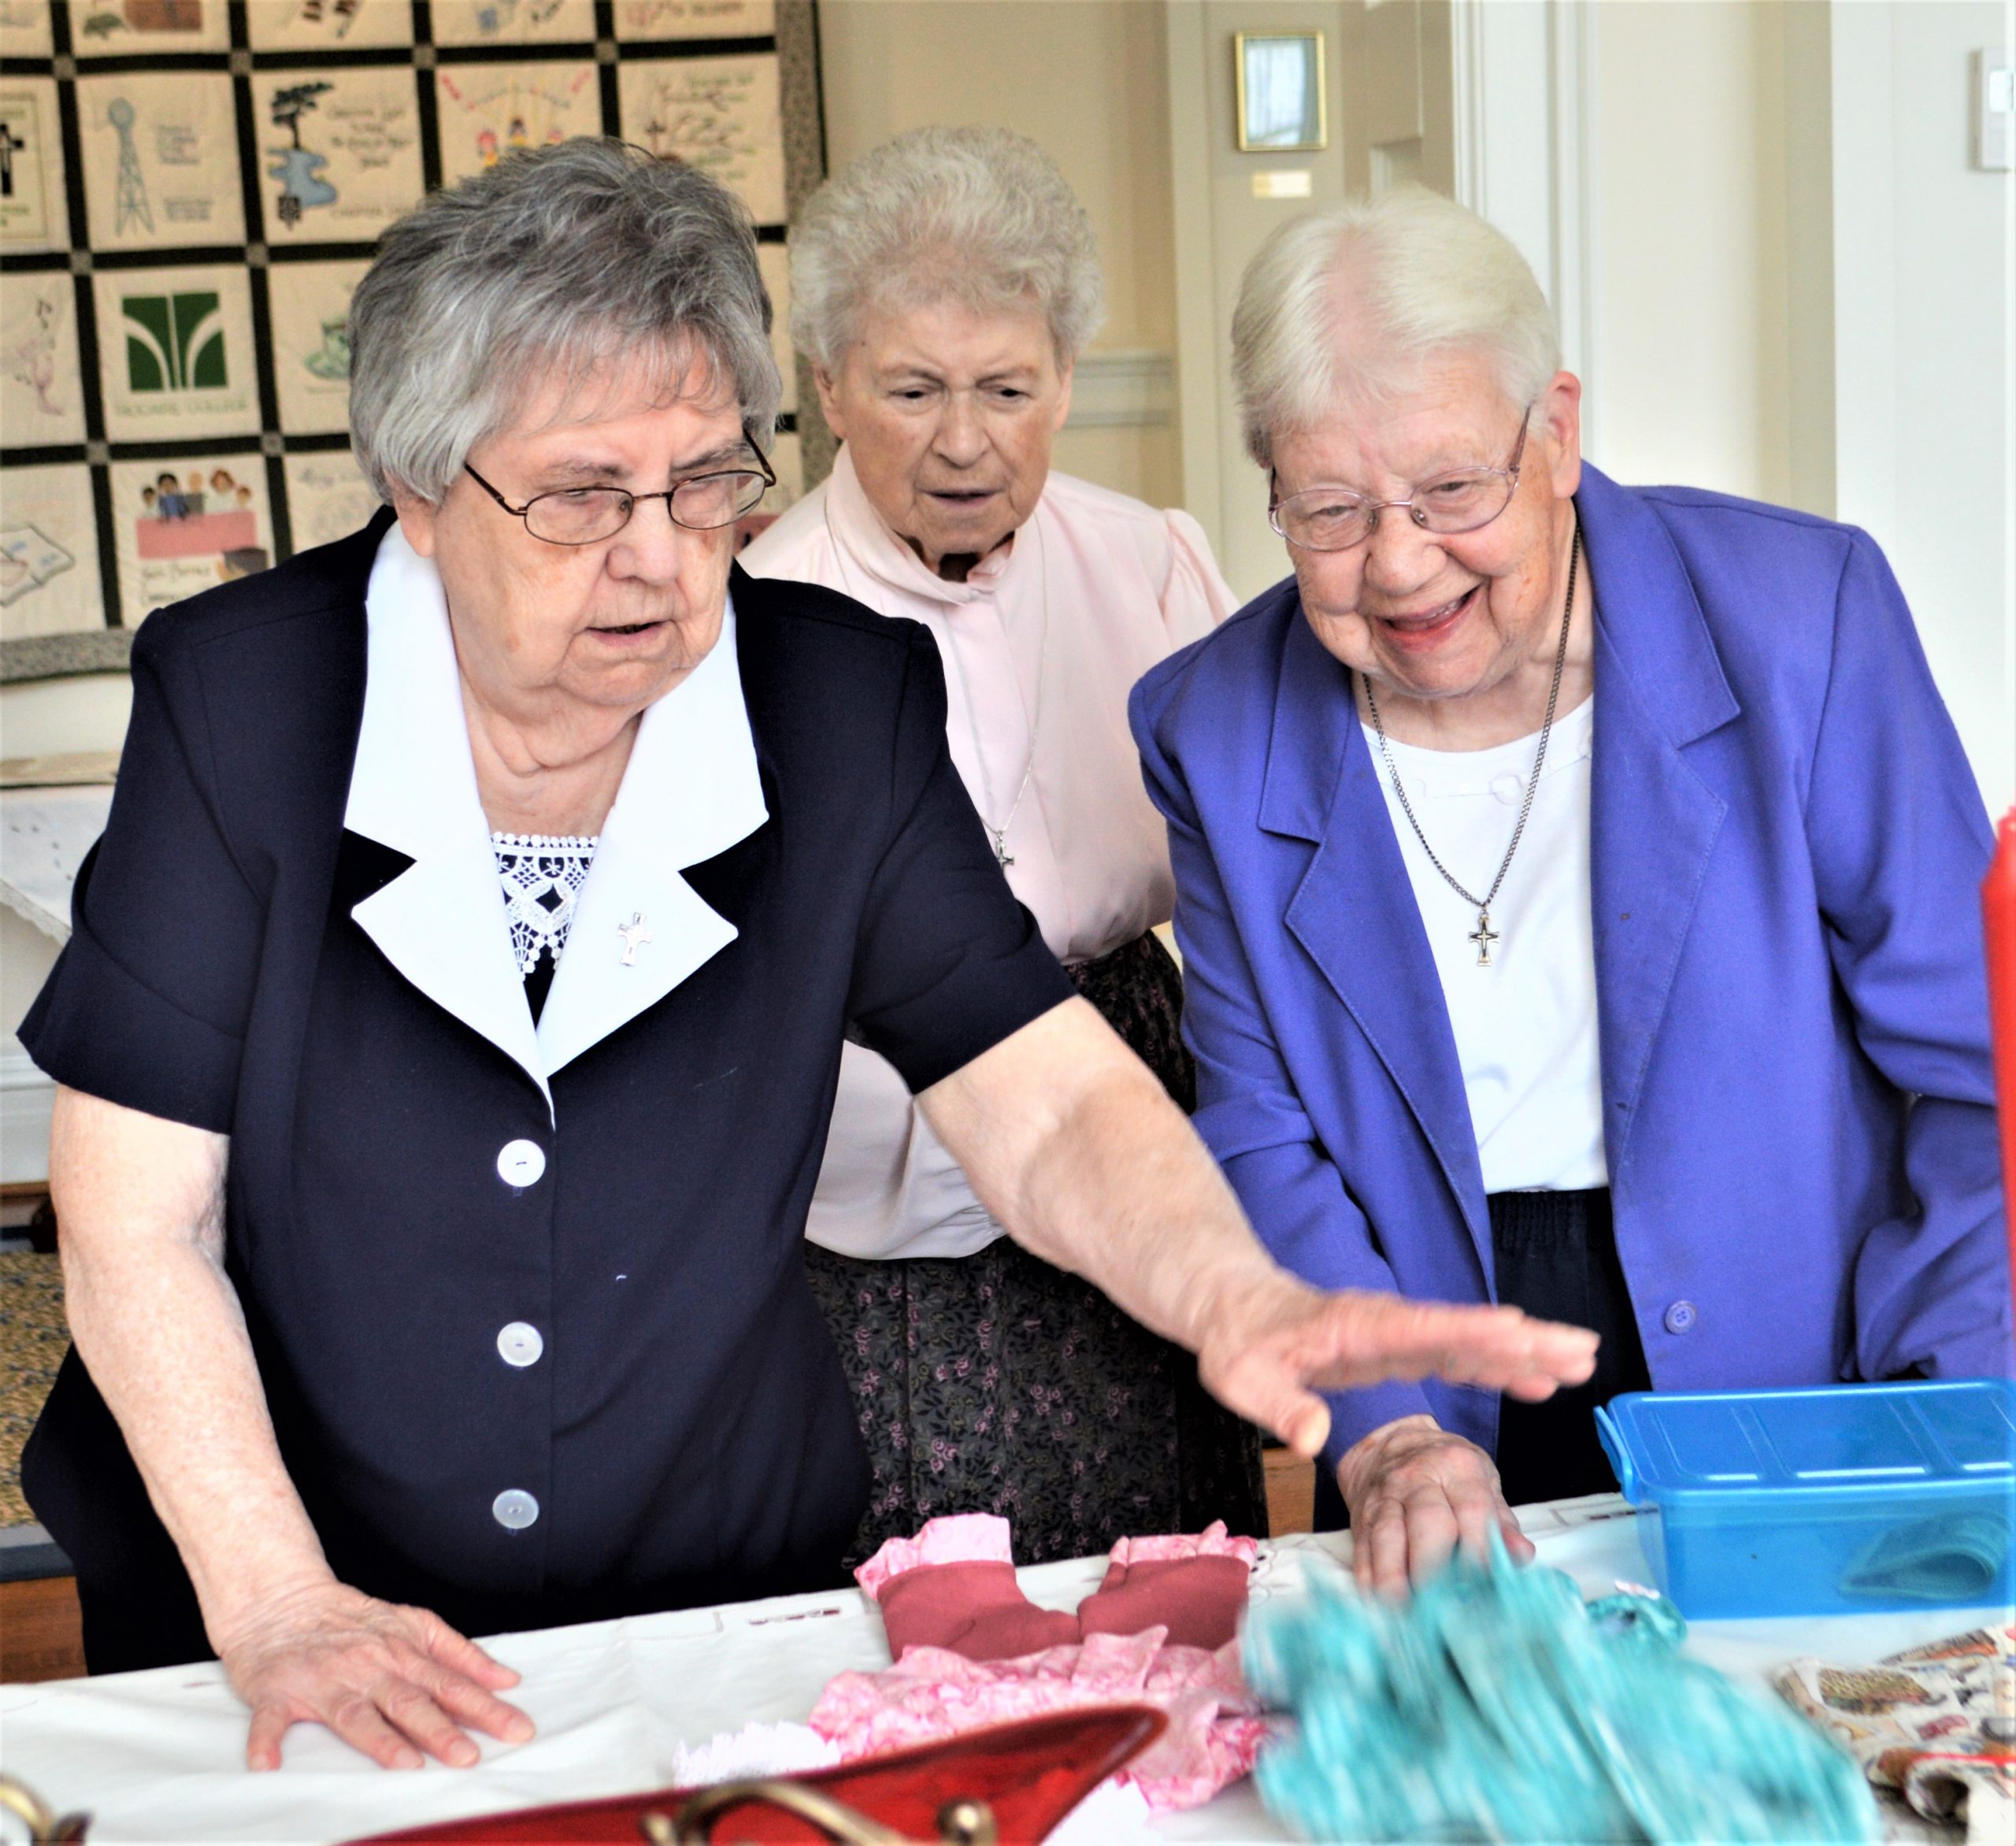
(1483, 936)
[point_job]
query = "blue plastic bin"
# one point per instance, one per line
(1845, 1499)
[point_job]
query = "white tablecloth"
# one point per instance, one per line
(157, 1756)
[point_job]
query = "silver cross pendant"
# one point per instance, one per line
(635, 933)
(1002, 856)
(1483, 936)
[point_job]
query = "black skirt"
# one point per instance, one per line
(1554, 1254)
(995, 1383)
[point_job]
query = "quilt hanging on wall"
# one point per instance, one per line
(190, 189)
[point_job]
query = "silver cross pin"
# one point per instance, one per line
(635, 933)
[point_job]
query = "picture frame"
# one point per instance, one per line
(1283, 91)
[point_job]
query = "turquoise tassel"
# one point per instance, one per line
(1496, 1705)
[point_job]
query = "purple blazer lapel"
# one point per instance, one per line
(1354, 912)
(1653, 822)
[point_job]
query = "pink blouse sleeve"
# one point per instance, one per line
(1196, 598)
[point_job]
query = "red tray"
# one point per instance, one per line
(1031, 1775)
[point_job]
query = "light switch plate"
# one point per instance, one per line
(1276, 183)
(1994, 88)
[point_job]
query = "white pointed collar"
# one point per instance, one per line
(692, 789)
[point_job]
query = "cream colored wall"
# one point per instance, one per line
(1804, 295)
(1925, 315)
(1688, 371)
(49, 717)
(1084, 78)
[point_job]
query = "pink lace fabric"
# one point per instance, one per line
(1213, 1541)
(1215, 1730)
(961, 1538)
(982, 1538)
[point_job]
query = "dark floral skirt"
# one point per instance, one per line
(995, 1383)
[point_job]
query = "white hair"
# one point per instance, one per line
(571, 257)
(1342, 307)
(980, 216)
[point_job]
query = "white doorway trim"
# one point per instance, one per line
(1525, 132)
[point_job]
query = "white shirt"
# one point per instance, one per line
(1091, 592)
(690, 790)
(1525, 1026)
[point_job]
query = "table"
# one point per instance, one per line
(156, 1755)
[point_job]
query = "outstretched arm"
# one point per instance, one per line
(141, 1202)
(1073, 1145)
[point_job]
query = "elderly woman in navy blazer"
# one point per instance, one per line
(451, 1021)
(1576, 891)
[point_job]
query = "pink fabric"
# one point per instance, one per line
(1194, 1587)
(953, 1586)
(1094, 590)
(976, 1610)
(1197, 1601)
(1213, 1541)
(960, 1538)
(1215, 1730)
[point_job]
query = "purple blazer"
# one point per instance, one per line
(1787, 849)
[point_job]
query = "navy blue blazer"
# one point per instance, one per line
(687, 1433)
(1787, 849)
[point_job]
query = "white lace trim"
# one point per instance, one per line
(541, 876)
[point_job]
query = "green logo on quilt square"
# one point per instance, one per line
(174, 342)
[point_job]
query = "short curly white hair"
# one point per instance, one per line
(980, 216)
(1342, 306)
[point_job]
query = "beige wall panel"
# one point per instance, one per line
(1144, 461)
(40, 717)
(1690, 325)
(1084, 78)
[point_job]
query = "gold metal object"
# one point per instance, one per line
(46, 1828)
(959, 1823)
(1312, 43)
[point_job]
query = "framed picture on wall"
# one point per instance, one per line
(1283, 106)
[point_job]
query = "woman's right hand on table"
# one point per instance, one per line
(1417, 1492)
(390, 1680)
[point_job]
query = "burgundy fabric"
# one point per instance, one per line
(975, 1609)
(1197, 1599)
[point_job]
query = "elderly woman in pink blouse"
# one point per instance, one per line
(943, 287)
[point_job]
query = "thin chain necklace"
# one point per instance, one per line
(1483, 936)
(1002, 856)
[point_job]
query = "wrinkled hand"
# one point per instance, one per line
(1265, 1355)
(1416, 1492)
(390, 1681)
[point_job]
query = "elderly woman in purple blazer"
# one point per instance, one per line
(1576, 886)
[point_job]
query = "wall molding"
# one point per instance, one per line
(56, 657)
(27, 1096)
(1525, 134)
(1125, 389)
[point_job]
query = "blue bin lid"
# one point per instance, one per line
(1827, 1440)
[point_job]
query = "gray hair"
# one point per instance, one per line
(1342, 307)
(565, 258)
(981, 215)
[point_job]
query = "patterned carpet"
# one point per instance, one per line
(32, 1340)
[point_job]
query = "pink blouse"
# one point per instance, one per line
(1049, 633)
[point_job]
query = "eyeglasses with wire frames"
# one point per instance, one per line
(585, 516)
(1335, 519)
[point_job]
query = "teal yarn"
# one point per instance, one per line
(1496, 1705)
